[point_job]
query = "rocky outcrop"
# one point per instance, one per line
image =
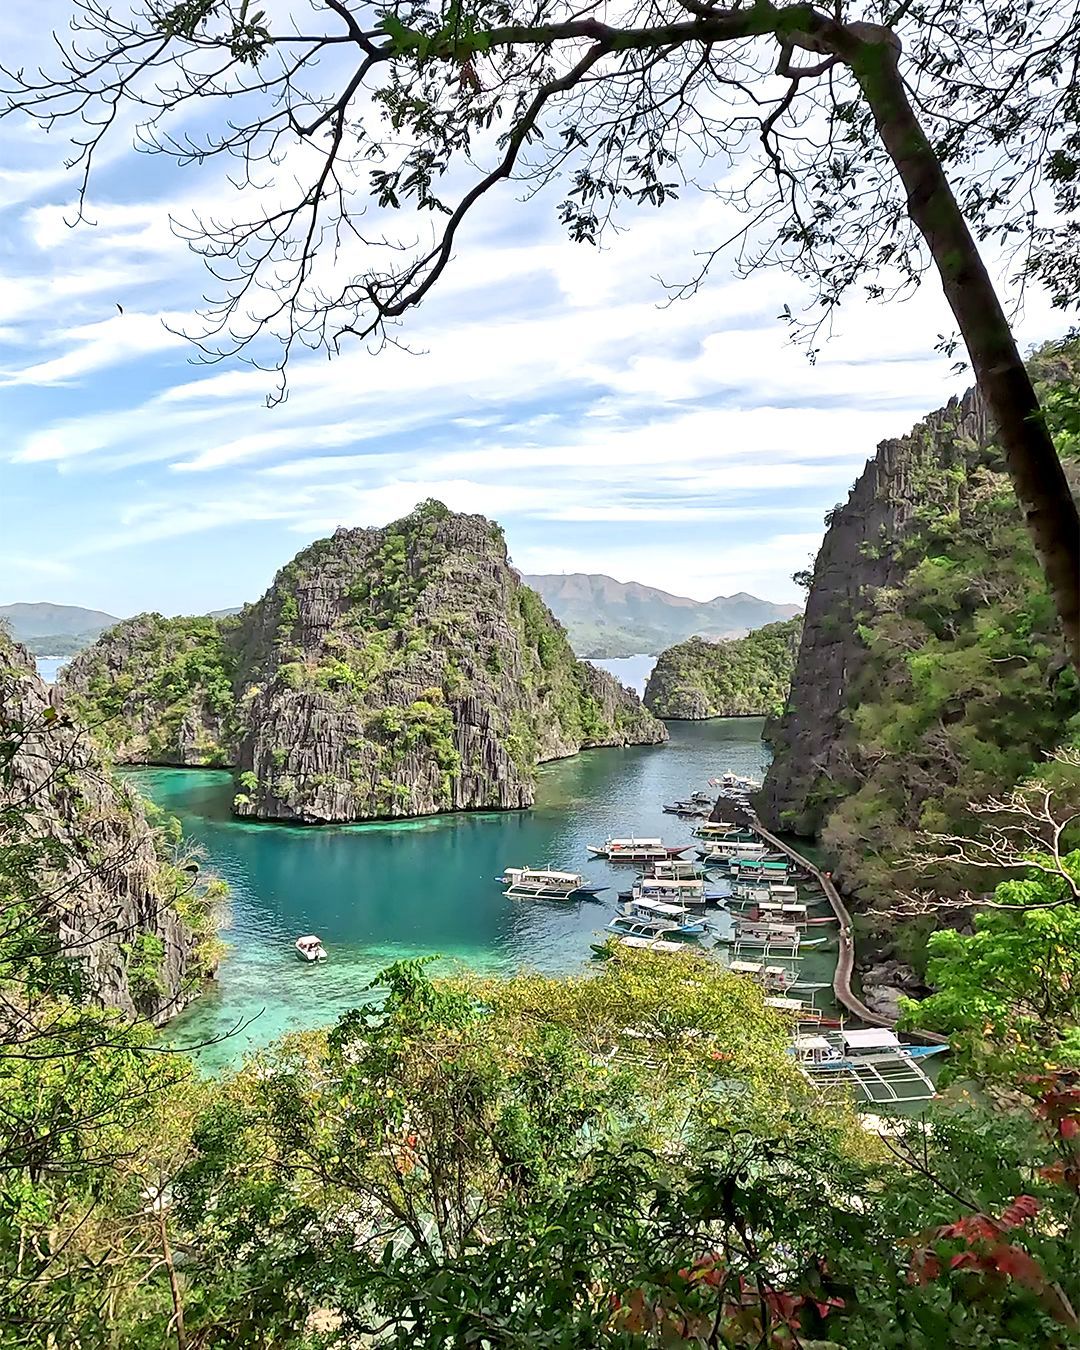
(857, 559)
(931, 672)
(385, 673)
(158, 690)
(90, 871)
(746, 677)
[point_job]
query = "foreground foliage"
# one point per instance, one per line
(627, 1159)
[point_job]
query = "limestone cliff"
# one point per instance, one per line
(159, 691)
(746, 677)
(385, 673)
(82, 866)
(931, 671)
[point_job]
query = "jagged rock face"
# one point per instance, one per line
(158, 691)
(406, 671)
(105, 888)
(855, 561)
(747, 677)
(392, 673)
(931, 672)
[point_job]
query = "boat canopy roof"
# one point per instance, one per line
(310, 941)
(658, 907)
(672, 883)
(542, 874)
(871, 1038)
(746, 967)
(811, 1043)
(776, 932)
(635, 843)
(781, 907)
(653, 944)
(785, 1004)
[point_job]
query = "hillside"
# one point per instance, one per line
(744, 677)
(53, 630)
(95, 876)
(608, 618)
(931, 671)
(385, 673)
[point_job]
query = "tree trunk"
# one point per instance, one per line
(1036, 471)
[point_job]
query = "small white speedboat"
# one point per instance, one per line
(310, 948)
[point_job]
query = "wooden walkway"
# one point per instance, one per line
(845, 957)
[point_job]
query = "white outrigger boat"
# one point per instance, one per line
(654, 918)
(310, 948)
(643, 943)
(770, 938)
(538, 883)
(722, 829)
(635, 850)
(735, 852)
(689, 892)
(871, 1059)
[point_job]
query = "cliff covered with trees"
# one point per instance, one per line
(91, 884)
(745, 677)
(932, 671)
(393, 672)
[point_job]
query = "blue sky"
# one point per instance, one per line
(689, 447)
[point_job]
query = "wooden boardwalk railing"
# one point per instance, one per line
(845, 957)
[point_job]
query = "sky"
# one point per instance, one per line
(688, 446)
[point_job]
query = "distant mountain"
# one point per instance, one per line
(54, 630)
(609, 618)
(225, 613)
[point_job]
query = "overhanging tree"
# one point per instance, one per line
(839, 143)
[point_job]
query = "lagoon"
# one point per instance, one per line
(379, 892)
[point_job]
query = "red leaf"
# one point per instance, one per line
(1019, 1266)
(1024, 1207)
(963, 1259)
(1069, 1127)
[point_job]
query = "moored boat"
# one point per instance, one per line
(690, 892)
(663, 914)
(538, 883)
(847, 1050)
(310, 948)
(635, 850)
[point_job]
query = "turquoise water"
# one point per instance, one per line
(377, 893)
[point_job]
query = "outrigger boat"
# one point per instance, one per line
(768, 937)
(654, 944)
(635, 850)
(310, 948)
(776, 979)
(690, 810)
(872, 1060)
(723, 829)
(664, 920)
(690, 892)
(678, 869)
(537, 883)
(850, 1049)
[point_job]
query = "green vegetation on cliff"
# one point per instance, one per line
(158, 690)
(929, 622)
(745, 677)
(393, 672)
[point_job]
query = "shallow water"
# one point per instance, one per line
(377, 893)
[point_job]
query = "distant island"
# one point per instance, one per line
(743, 677)
(386, 673)
(54, 630)
(607, 618)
